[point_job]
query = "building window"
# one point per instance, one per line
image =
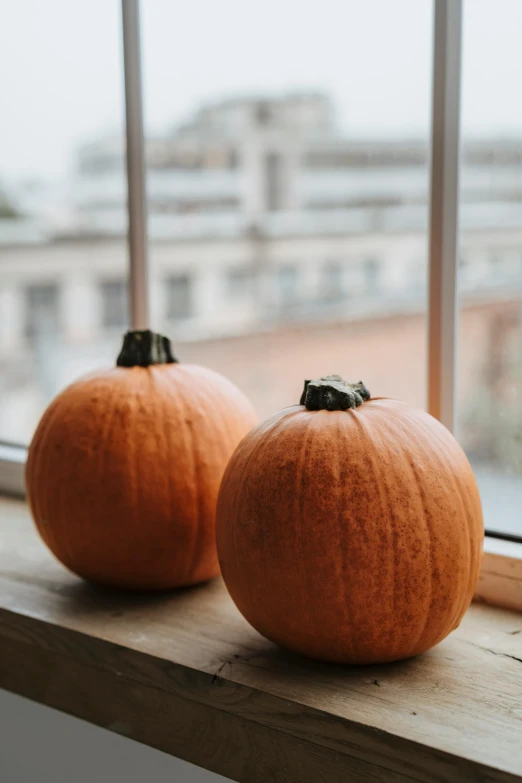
(333, 280)
(274, 178)
(114, 298)
(41, 311)
(179, 297)
(371, 274)
(264, 114)
(416, 280)
(238, 283)
(288, 283)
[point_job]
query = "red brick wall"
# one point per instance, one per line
(388, 354)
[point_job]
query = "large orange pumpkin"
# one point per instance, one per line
(124, 468)
(350, 529)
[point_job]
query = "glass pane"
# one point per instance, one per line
(490, 371)
(62, 205)
(287, 185)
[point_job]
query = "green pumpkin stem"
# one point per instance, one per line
(141, 348)
(331, 393)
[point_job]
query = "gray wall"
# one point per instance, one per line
(41, 745)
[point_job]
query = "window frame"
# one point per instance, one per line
(12, 468)
(501, 575)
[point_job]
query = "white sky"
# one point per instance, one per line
(61, 80)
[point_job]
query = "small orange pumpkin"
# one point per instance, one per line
(124, 468)
(349, 529)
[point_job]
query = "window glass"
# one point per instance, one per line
(260, 157)
(292, 188)
(490, 344)
(62, 201)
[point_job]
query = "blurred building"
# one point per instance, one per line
(262, 217)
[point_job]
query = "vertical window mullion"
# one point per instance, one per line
(137, 212)
(444, 209)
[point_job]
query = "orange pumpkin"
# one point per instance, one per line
(124, 468)
(350, 529)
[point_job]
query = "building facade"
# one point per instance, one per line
(262, 218)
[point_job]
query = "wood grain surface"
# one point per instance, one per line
(183, 672)
(500, 581)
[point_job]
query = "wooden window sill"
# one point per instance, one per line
(183, 672)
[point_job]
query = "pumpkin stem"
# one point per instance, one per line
(331, 393)
(141, 348)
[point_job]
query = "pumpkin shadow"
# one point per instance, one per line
(300, 669)
(83, 599)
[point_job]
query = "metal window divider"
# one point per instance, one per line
(444, 211)
(136, 187)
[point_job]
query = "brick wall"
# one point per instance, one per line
(388, 353)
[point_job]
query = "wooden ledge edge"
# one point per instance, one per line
(206, 717)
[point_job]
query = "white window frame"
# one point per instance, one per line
(12, 466)
(501, 576)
